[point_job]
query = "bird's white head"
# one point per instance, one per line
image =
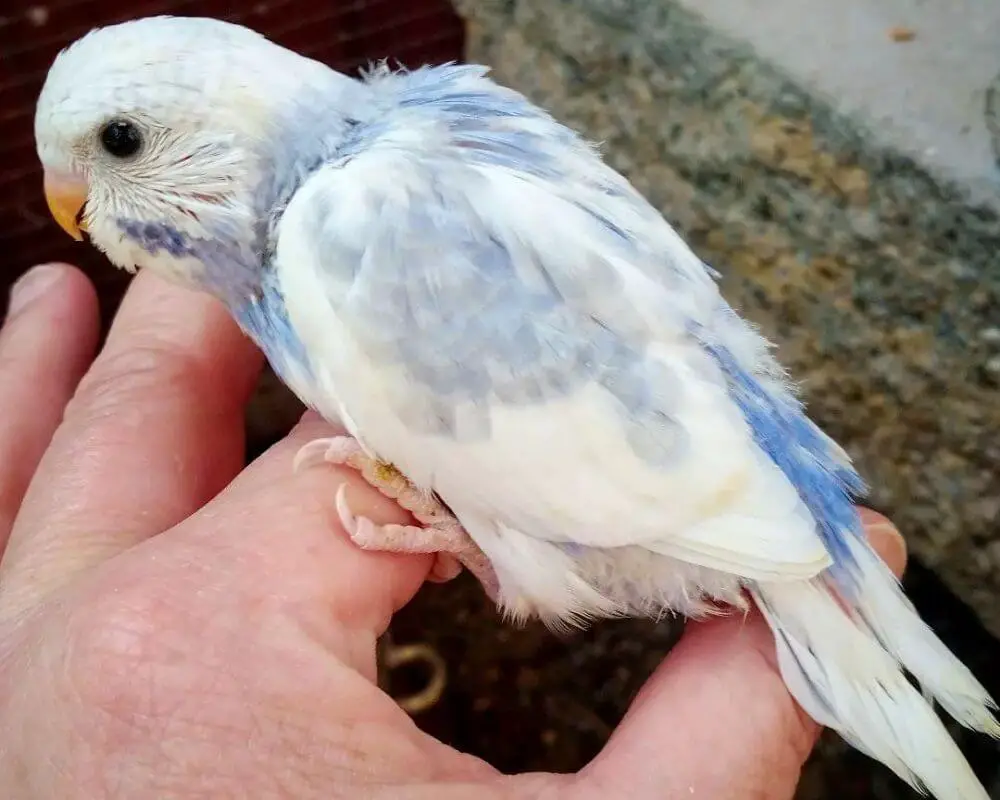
(160, 132)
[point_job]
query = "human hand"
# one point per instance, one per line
(172, 626)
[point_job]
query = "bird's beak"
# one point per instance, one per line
(66, 196)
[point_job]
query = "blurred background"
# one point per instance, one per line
(838, 163)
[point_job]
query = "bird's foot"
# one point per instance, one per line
(439, 531)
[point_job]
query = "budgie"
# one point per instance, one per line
(520, 348)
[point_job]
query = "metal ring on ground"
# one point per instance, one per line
(396, 656)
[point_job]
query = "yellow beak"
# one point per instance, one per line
(66, 197)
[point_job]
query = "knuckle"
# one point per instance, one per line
(123, 379)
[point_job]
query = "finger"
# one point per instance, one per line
(47, 341)
(154, 430)
(886, 539)
(719, 698)
(276, 534)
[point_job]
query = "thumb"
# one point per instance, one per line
(886, 539)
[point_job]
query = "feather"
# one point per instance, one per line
(452, 329)
(893, 620)
(837, 671)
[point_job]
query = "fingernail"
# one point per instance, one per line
(30, 286)
(889, 542)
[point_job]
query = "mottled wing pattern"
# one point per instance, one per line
(484, 250)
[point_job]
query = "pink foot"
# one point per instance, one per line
(439, 531)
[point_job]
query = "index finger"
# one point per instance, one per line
(719, 698)
(154, 430)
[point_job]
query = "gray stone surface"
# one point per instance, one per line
(916, 72)
(878, 280)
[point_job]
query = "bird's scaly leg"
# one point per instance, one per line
(439, 531)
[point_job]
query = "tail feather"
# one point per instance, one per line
(892, 618)
(844, 669)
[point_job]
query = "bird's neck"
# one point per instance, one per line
(306, 129)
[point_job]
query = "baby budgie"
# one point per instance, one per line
(521, 348)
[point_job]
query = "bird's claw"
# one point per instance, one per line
(441, 541)
(439, 532)
(332, 450)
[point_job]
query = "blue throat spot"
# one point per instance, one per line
(156, 236)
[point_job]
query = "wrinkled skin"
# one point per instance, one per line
(172, 626)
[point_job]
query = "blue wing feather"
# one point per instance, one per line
(802, 452)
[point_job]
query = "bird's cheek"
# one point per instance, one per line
(107, 237)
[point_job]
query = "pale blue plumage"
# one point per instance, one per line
(265, 318)
(251, 294)
(460, 280)
(827, 486)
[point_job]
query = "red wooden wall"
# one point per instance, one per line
(345, 34)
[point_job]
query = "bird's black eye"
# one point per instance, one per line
(121, 138)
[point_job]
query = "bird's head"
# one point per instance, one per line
(157, 138)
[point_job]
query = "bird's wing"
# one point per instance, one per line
(545, 353)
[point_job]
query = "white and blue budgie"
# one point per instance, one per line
(498, 316)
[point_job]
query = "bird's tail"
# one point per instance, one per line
(842, 663)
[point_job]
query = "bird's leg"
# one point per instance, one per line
(439, 531)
